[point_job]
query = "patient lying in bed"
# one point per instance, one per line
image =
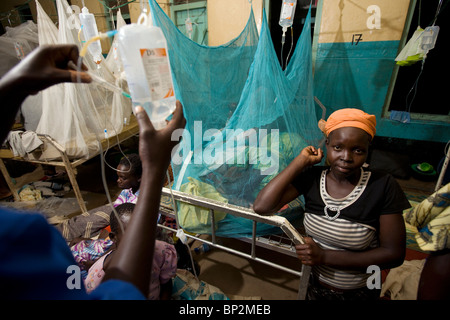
(90, 224)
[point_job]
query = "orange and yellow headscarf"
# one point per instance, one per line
(349, 117)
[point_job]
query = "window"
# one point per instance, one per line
(424, 92)
(115, 5)
(301, 11)
(24, 12)
(197, 29)
(176, 2)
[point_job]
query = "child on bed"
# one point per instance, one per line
(129, 172)
(164, 260)
(353, 216)
(92, 224)
(87, 251)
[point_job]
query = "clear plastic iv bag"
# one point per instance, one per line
(287, 13)
(89, 28)
(143, 49)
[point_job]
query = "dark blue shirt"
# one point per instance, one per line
(34, 262)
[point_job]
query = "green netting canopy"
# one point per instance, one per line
(246, 119)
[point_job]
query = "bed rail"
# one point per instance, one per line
(247, 213)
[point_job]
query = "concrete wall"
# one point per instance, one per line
(227, 19)
(135, 9)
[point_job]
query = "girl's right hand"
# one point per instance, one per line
(312, 155)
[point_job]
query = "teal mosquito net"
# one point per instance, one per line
(246, 120)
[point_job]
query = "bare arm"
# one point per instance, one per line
(389, 254)
(42, 68)
(133, 259)
(279, 191)
(48, 65)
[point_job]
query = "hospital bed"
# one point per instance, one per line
(51, 153)
(280, 245)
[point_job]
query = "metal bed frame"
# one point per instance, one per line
(293, 235)
(64, 161)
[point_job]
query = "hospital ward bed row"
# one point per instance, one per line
(244, 53)
(284, 241)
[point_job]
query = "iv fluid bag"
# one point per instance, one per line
(143, 50)
(429, 37)
(89, 27)
(287, 13)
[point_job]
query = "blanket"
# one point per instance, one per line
(431, 218)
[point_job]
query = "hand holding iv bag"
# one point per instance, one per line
(143, 50)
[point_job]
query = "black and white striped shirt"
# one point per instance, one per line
(334, 233)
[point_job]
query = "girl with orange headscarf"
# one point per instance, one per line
(353, 216)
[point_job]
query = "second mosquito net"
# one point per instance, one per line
(77, 115)
(246, 120)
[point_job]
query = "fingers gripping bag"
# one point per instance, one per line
(144, 54)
